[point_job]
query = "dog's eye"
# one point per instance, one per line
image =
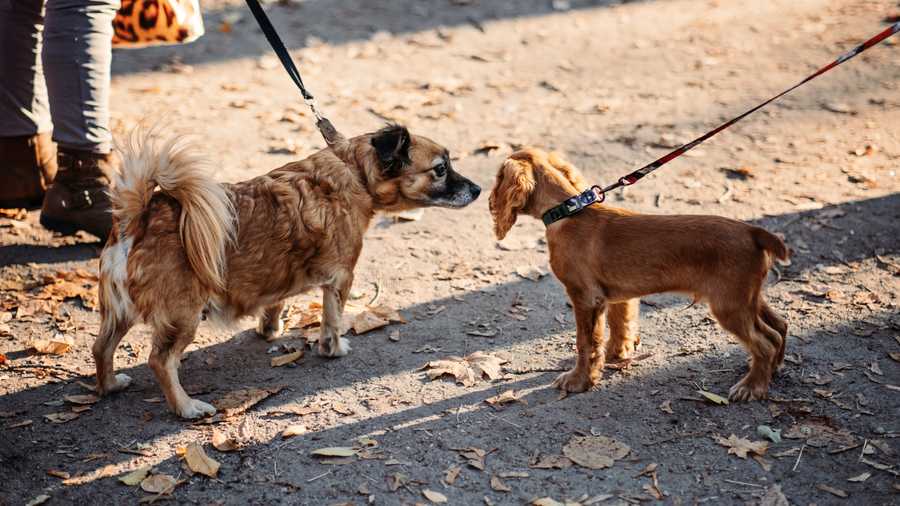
(440, 170)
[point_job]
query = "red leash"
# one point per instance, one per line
(597, 194)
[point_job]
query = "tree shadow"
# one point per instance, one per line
(333, 22)
(449, 416)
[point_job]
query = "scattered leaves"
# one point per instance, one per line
(550, 462)
(158, 484)
(451, 474)
(860, 477)
(199, 462)
(530, 272)
(62, 417)
(293, 430)
(774, 497)
(773, 435)
(595, 452)
(742, 447)
(55, 346)
(81, 399)
(286, 358)
(507, 397)
(334, 451)
(666, 407)
(467, 371)
(435, 497)
(135, 477)
(715, 398)
(498, 485)
(223, 442)
(831, 490)
(239, 401)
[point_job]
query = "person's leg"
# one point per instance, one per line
(27, 155)
(77, 57)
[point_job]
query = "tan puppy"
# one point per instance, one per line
(607, 258)
(198, 247)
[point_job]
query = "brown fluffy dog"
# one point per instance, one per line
(607, 258)
(198, 247)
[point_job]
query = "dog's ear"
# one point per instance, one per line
(515, 182)
(391, 144)
(568, 170)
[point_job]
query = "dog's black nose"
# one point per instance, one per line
(476, 191)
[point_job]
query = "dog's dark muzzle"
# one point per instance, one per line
(458, 191)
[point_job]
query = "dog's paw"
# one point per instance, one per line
(118, 383)
(193, 409)
(327, 347)
(269, 330)
(745, 390)
(573, 381)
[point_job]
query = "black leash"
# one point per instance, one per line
(322, 123)
(597, 194)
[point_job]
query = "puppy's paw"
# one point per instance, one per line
(332, 348)
(193, 409)
(574, 381)
(746, 390)
(624, 350)
(117, 384)
(269, 330)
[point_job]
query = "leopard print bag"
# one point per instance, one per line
(140, 23)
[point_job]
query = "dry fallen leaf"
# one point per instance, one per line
(550, 462)
(467, 371)
(135, 477)
(56, 473)
(435, 497)
(666, 407)
(718, 399)
(474, 455)
(287, 358)
(158, 484)
(507, 397)
(293, 430)
(498, 485)
(238, 401)
(199, 462)
(741, 447)
(774, 497)
(41, 499)
(334, 451)
(530, 272)
(861, 477)
(63, 417)
(81, 399)
(223, 442)
(55, 346)
(595, 452)
(831, 490)
(451, 474)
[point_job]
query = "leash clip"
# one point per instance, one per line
(599, 194)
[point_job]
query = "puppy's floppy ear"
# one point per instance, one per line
(568, 170)
(391, 144)
(515, 182)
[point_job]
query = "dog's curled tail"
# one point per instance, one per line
(179, 169)
(771, 243)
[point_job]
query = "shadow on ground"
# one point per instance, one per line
(418, 439)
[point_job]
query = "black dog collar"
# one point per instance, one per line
(574, 205)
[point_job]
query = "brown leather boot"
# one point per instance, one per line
(27, 167)
(78, 199)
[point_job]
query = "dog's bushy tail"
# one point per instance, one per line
(771, 243)
(178, 168)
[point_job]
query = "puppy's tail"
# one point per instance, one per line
(771, 243)
(178, 168)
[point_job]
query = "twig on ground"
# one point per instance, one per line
(744, 483)
(797, 463)
(314, 478)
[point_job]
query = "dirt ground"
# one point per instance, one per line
(610, 84)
